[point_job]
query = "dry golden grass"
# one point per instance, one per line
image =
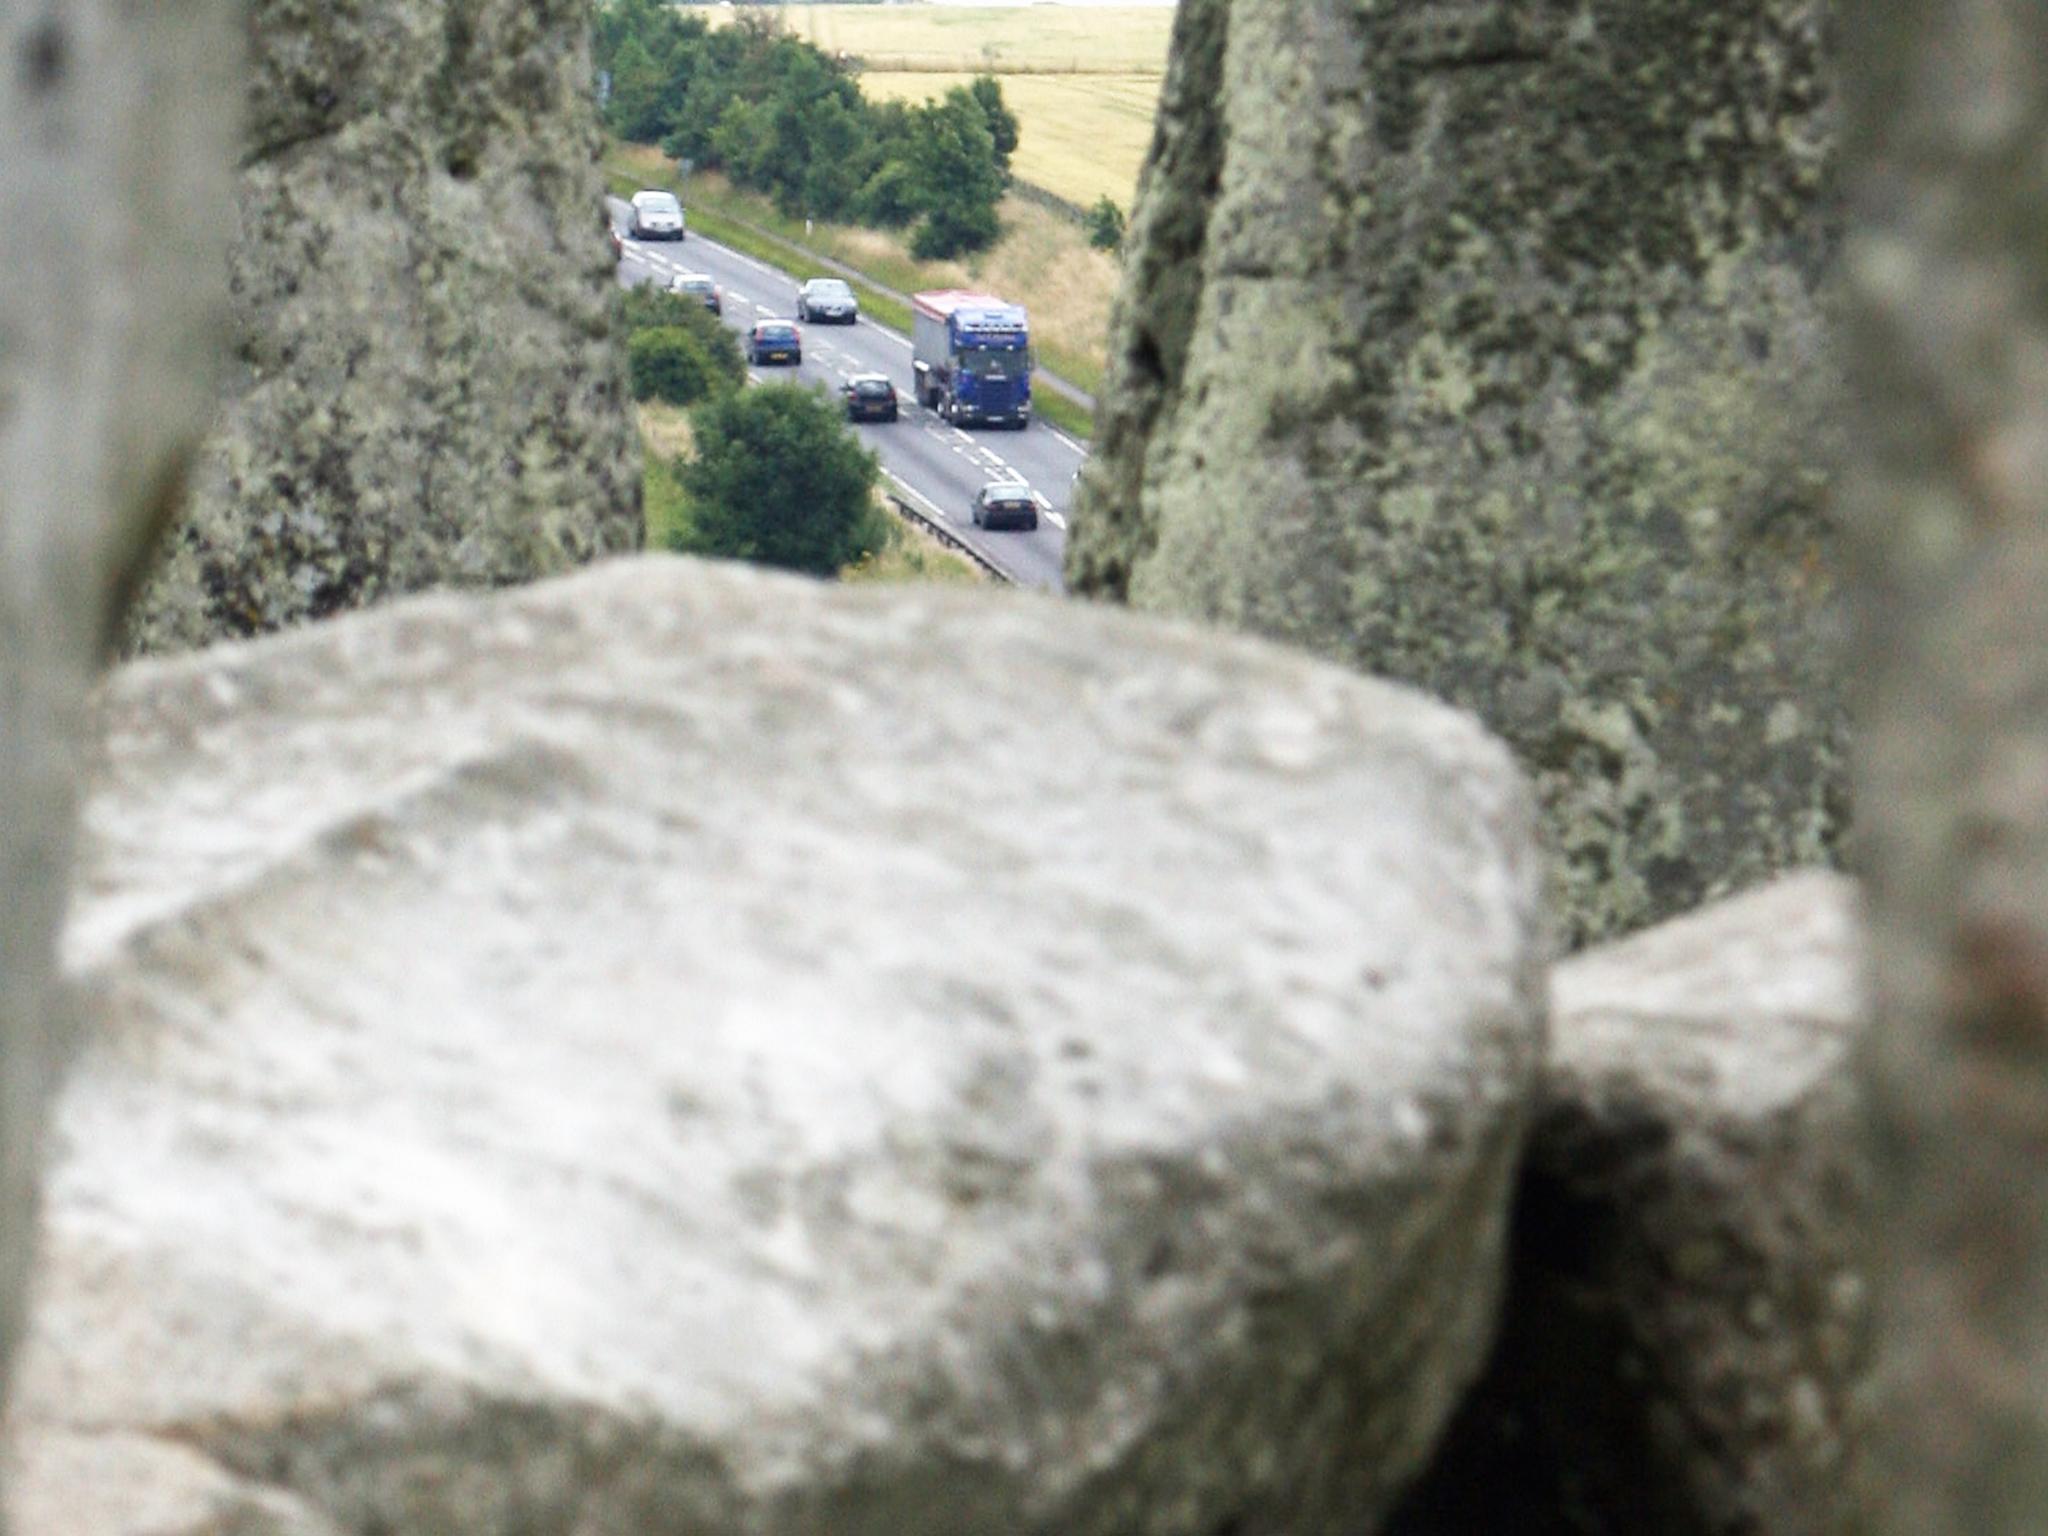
(665, 430)
(1080, 136)
(1055, 38)
(911, 554)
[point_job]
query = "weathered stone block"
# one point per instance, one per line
(679, 1049)
(428, 393)
(1480, 345)
(1685, 1349)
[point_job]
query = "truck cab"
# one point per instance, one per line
(971, 357)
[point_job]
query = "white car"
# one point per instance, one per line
(657, 216)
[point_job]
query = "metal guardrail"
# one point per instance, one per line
(946, 536)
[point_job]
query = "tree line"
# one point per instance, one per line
(779, 116)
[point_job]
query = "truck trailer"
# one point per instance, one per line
(971, 357)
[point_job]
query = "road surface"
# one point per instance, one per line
(935, 466)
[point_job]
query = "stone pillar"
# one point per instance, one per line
(428, 393)
(1480, 344)
(117, 131)
(1947, 147)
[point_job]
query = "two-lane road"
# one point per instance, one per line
(936, 466)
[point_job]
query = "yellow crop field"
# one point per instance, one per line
(1083, 80)
(1078, 136)
(1006, 38)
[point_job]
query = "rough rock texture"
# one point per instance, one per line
(1685, 1350)
(1948, 122)
(428, 394)
(1480, 345)
(106, 382)
(682, 1050)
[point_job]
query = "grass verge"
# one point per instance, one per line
(908, 553)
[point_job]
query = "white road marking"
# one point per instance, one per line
(1055, 519)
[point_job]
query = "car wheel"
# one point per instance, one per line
(797, 361)
(974, 514)
(1032, 526)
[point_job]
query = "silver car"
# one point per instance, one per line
(827, 298)
(657, 216)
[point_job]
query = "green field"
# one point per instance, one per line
(1083, 80)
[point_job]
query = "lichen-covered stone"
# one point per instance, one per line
(1481, 345)
(428, 395)
(1685, 1347)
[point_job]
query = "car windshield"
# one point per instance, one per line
(830, 288)
(996, 362)
(773, 332)
(658, 202)
(695, 285)
(873, 388)
(1011, 496)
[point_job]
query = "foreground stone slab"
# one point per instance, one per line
(1685, 1349)
(680, 1050)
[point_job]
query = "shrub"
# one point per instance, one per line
(1105, 225)
(648, 308)
(779, 479)
(666, 362)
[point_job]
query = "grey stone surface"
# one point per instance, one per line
(1948, 521)
(1685, 1349)
(427, 393)
(126, 114)
(680, 1049)
(1481, 345)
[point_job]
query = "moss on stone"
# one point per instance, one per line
(1494, 361)
(430, 395)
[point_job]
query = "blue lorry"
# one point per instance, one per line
(971, 357)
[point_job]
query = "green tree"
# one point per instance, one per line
(780, 480)
(836, 159)
(1105, 224)
(667, 362)
(744, 142)
(954, 158)
(987, 92)
(890, 199)
(648, 308)
(635, 109)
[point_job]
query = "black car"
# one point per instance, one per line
(1005, 504)
(869, 397)
(774, 341)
